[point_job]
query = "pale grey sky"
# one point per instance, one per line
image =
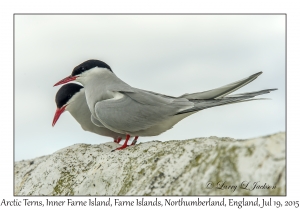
(169, 54)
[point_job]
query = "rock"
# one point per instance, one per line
(201, 166)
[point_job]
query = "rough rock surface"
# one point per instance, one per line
(202, 166)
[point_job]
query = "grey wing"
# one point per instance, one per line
(214, 93)
(221, 91)
(201, 104)
(158, 94)
(138, 110)
(96, 122)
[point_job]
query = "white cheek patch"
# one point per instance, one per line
(86, 76)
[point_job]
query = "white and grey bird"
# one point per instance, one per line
(71, 97)
(135, 112)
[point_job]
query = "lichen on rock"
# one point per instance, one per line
(201, 166)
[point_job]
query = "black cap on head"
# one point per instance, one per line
(89, 64)
(66, 92)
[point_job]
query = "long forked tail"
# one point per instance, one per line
(201, 104)
(221, 91)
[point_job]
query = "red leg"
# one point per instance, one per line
(124, 145)
(134, 141)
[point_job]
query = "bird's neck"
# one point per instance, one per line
(78, 107)
(96, 83)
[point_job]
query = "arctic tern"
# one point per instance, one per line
(135, 112)
(71, 97)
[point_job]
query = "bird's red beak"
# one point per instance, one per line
(58, 112)
(66, 80)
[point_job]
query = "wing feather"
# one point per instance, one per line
(221, 91)
(138, 110)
